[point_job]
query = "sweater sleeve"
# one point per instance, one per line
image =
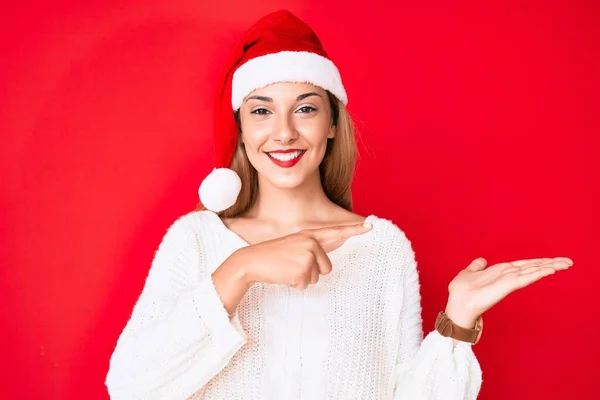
(179, 335)
(430, 369)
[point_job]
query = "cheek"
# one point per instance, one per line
(255, 140)
(315, 134)
(254, 137)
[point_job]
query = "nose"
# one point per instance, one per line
(285, 131)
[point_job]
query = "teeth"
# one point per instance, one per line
(285, 156)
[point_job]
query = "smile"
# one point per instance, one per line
(286, 160)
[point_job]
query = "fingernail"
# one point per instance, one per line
(367, 225)
(568, 261)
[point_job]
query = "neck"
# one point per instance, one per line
(307, 202)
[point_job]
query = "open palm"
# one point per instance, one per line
(479, 288)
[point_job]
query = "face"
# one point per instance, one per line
(285, 128)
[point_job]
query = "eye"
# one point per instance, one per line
(260, 111)
(307, 109)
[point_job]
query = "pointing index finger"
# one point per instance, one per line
(342, 231)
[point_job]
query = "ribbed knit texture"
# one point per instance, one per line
(356, 334)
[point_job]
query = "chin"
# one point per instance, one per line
(284, 181)
(287, 183)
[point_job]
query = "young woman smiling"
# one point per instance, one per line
(274, 288)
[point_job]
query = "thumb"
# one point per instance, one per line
(477, 265)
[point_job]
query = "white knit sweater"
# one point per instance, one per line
(356, 334)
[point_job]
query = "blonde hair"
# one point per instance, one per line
(336, 169)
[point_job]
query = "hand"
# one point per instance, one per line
(476, 289)
(297, 259)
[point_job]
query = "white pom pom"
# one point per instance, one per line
(220, 189)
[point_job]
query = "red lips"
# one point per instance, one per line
(287, 163)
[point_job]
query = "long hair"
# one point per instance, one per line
(336, 169)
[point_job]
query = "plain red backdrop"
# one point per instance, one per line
(478, 130)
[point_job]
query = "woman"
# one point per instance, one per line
(275, 289)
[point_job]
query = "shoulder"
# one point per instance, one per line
(193, 218)
(393, 244)
(191, 225)
(180, 255)
(187, 239)
(387, 228)
(390, 237)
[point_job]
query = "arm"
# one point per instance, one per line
(436, 367)
(179, 335)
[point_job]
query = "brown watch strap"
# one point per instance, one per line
(446, 327)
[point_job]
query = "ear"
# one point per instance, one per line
(331, 133)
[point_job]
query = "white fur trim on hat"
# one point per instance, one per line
(220, 189)
(286, 66)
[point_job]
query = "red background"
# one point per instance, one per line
(478, 128)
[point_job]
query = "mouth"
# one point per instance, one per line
(287, 159)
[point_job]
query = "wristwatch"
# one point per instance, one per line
(446, 327)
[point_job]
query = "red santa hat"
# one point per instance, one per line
(278, 48)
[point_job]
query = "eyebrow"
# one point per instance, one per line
(270, 100)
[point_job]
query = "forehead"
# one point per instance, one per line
(288, 90)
